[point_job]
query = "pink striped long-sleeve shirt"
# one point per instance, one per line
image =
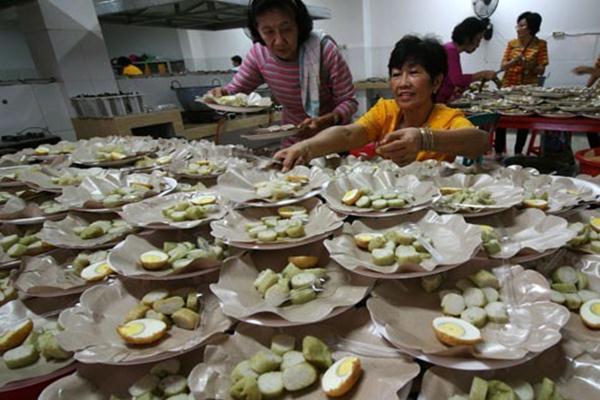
(336, 92)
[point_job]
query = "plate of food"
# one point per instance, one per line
(380, 194)
(257, 188)
(473, 195)
(112, 152)
(237, 103)
(474, 313)
(419, 245)
(522, 235)
(127, 323)
(185, 210)
(575, 283)
(17, 242)
(17, 211)
(167, 379)
(84, 231)
(283, 227)
(552, 375)
(31, 352)
(51, 179)
(112, 191)
(287, 287)
(63, 272)
(586, 225)
(167, 255)
(272, 132)
(556, 114)
(290, 362)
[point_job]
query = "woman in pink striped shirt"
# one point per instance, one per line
(282, 31)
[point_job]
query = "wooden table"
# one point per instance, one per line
(169, 121)
(224, 125)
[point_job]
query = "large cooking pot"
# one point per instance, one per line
(187, 95)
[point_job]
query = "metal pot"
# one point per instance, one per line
(187, 95)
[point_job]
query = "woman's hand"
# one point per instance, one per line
(401, 146)
(218, 92)
(311, 126)
(296, 154)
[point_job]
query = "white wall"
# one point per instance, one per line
(391, 19)
(14, 53)
(123, 40)
(37, 105)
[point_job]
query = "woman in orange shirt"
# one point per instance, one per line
(524, 62)
(408, 127)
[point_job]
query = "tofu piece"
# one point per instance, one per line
(21, 356)
(186, 318)
(281, 344)
(270, 384)
(169, 305)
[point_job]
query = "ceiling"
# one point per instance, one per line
(184, 14)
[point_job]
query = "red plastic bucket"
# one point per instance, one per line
(587, 166)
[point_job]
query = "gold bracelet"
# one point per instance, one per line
(426, 138)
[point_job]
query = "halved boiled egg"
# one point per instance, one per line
(446, 190)
(302, 179)
(41, 151)
(455, 331)
(142, 331)
(590, 313)
(362, 239)
(351, 197)
(341, 376)
(595, 223)
(97, 271)
(290, 211)
(164, 160)
(204, 200)
(536, 203)
(154, 260)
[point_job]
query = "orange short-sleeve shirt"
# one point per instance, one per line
(384, 117)
(536, 54)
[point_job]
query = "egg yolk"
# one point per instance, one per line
(452, 329)
(152, 258)
(347, 366)
(595, 308)
(104, 269)
(132, 329)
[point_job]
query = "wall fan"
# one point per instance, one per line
(484, 10)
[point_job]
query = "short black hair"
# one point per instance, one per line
(427, 52)
(124, 61)
(296, 8)
(534, 21)
(236, 59)
(466, 31)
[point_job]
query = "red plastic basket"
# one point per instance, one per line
(587, 166)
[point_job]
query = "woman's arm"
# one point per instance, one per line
(341, 83)
(403, 145)
(455, 73)
(332, 140)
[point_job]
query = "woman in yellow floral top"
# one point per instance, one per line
(408, 127)
(524, 62)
